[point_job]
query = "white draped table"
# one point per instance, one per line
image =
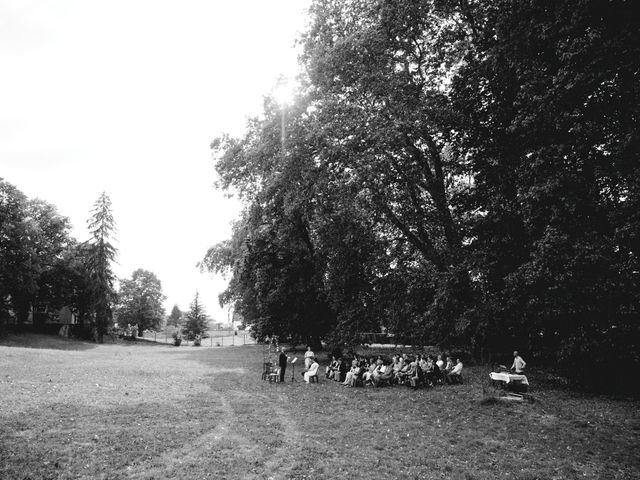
(509, 378)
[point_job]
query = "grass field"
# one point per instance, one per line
(78, 410)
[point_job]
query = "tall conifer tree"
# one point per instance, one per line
(102, 253)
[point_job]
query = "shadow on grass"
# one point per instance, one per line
(42, 341)
(138, 342)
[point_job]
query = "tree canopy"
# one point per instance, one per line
(455, 173)
(42, 268)
(34, 238)
(140, 301)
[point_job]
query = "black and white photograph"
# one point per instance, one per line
(319, 239)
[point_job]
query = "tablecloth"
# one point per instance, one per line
(509, 377)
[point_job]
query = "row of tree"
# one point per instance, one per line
(139, 301)
(455, 173)
(43, 269)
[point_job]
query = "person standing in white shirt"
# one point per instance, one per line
(518, 363)
(308, 356)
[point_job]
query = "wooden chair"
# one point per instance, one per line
(267, 368)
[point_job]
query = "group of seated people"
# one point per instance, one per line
(411, 370)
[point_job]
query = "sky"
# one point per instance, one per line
(125, 96)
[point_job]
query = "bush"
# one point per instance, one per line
(605, 361)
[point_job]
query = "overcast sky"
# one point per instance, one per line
(125, 96)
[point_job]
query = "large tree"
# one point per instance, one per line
(550, 102)
(458, 172)
(278, 258)
(13, 230)
(380, 79)
(140, 301)
(33, 237)
(367, 159)
(101, 254)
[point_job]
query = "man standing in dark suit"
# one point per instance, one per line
(282, 363)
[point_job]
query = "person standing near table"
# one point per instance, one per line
(308, 357)
(518, 363)
(282, 363)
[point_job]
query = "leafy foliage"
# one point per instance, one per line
(459, 173)
(552, 121)
(175, 317)
(140, 301)
(33, 239)
(196, 320)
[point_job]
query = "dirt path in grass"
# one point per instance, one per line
(189, 453)
(281, 463)
(235, 437)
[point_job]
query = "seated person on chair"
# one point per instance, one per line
(422, 362)
(438, 374)
(383, 374)
(396, 363)
(428, 367)
(352, 374)
(518, 363)
(401, 376)
(454, 376)
(414, 374)
(331, 368)
(374, 366)
(448, 366)
(342, 370)
(312, 371)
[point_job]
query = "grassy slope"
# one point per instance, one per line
(78, 410)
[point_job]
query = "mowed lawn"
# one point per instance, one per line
(77, 410)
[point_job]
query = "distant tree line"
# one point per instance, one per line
(43, 269)
(456, 173)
